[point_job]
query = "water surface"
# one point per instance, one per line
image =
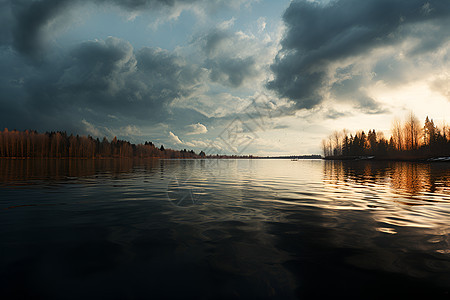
(124, 229)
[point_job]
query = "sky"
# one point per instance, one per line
(257, 77)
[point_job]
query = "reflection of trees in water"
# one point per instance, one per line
(411, 238)
(15, 170)
(412, 178)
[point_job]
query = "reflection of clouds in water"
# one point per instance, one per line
(190, 182)
(261, 228)
(239, 249)
(181, 192)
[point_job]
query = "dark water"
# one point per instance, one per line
(223, 229)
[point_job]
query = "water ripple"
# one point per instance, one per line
(249, 227)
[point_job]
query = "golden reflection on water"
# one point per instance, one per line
(412, 179)
(407, 204)
(396, 193)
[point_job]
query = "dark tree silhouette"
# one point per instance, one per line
(408, 141)
(31, 144)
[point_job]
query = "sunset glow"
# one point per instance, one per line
(151, 70)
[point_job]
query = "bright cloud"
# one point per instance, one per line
(197, 129)
(320, 65)
(174, 139)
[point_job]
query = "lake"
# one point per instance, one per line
(309, 229)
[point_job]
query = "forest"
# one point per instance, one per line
(31, 144)
(409, 140)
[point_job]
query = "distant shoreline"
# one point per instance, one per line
(293, 157)
(391, 159)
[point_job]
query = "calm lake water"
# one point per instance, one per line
(310, 229)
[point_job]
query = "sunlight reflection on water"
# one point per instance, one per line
(249, 228)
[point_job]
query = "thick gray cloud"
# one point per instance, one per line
(6, 18)
(232, 71)
(318, 37)
(228, 58)
(24, 22)
(97, 79)
(104, 83)
(29, 19)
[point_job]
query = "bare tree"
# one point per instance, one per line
(411, 132)
(324, 147)
(337, 142)
(397, 134)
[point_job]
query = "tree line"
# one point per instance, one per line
(408, 140)
(31, 144)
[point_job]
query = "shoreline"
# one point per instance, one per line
(293, 157)
(391, 159)
(442, 159)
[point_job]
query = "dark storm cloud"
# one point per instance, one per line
(30, 18)
(103, 83)
(319, 36)
(25, 21)
(231, 71)
(111, 76)
(6, 19)
(97, 79)
(155, 4)
(224, 58)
